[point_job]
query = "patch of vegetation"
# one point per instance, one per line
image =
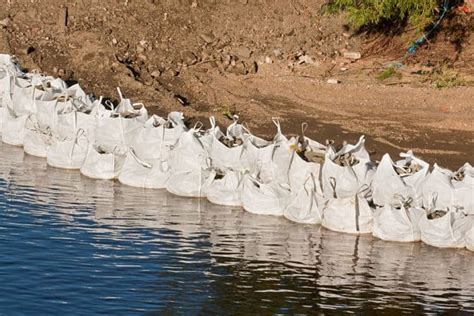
(445, 77)
(227, 110)
(418, 13)
(388, 73)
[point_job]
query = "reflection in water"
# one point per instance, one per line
(69, 243)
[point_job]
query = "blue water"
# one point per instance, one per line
(72, 245)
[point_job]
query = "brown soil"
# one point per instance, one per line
(259, 59)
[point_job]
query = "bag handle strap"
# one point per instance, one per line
(138, 160)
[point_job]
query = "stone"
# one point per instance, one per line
(305, 59)
(5, 22)
(155, 73)
(268, 60)
(208, 37)
(277, 53)
(352, 55)
(188, 57)
(243, 52)
(333, 81)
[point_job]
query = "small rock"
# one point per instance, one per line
(344, 69)
(194, 4)
(243, 52)
(305, 59)
(333, 81)
(5, 22)
(208, 37)
(155, 74)
(114, 41)
(143, 43)
(188, 58)
(268, 60)
(140, 49)
(277, 53)
(239, 68)
(352, 55)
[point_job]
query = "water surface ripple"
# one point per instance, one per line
(69, 244)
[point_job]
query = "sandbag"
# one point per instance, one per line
(438, 189)
(80, 116)
(350, 178)
(300, 171)
(469, 238)
(264, 198)
(118, 127)
(401, 179)
(150, 174)
(351, 215)
(282, 154)
(157, 136)
(190, 167)
(8, 70)
(37, 139)
(447, 231)
(464, 189)
(13, 126)
(306, 204)
(257, 157)
(192, 183)
(226, 189)
(225, 158)
(398, 222)
(68, 153)
(101, 163)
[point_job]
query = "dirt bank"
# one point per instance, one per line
(259, 59)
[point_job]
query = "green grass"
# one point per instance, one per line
(445, 77)
(418, 13)
(388, 73)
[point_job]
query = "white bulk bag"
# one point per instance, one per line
(67, 123)
(68, 153)
(13, 126)
(101, 163)
(282, 154)
(190, 168)
(351, 215)
(226, 158)
(448, 231)
(189, 153)
(226, 190)
(306, 204)
(155, 139)
(469, 239)
(192, 183)
(464, 189)
(119, 127)
(257, 157)
(349, 179)
(264, 198)
(300, 171)
(37, 139)
(137, 172)
(438, 189)
(388, 184)
(8, 71)
(398, 223)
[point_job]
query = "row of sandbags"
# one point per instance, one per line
(299, 178)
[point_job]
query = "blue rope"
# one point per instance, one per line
(413, 47)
